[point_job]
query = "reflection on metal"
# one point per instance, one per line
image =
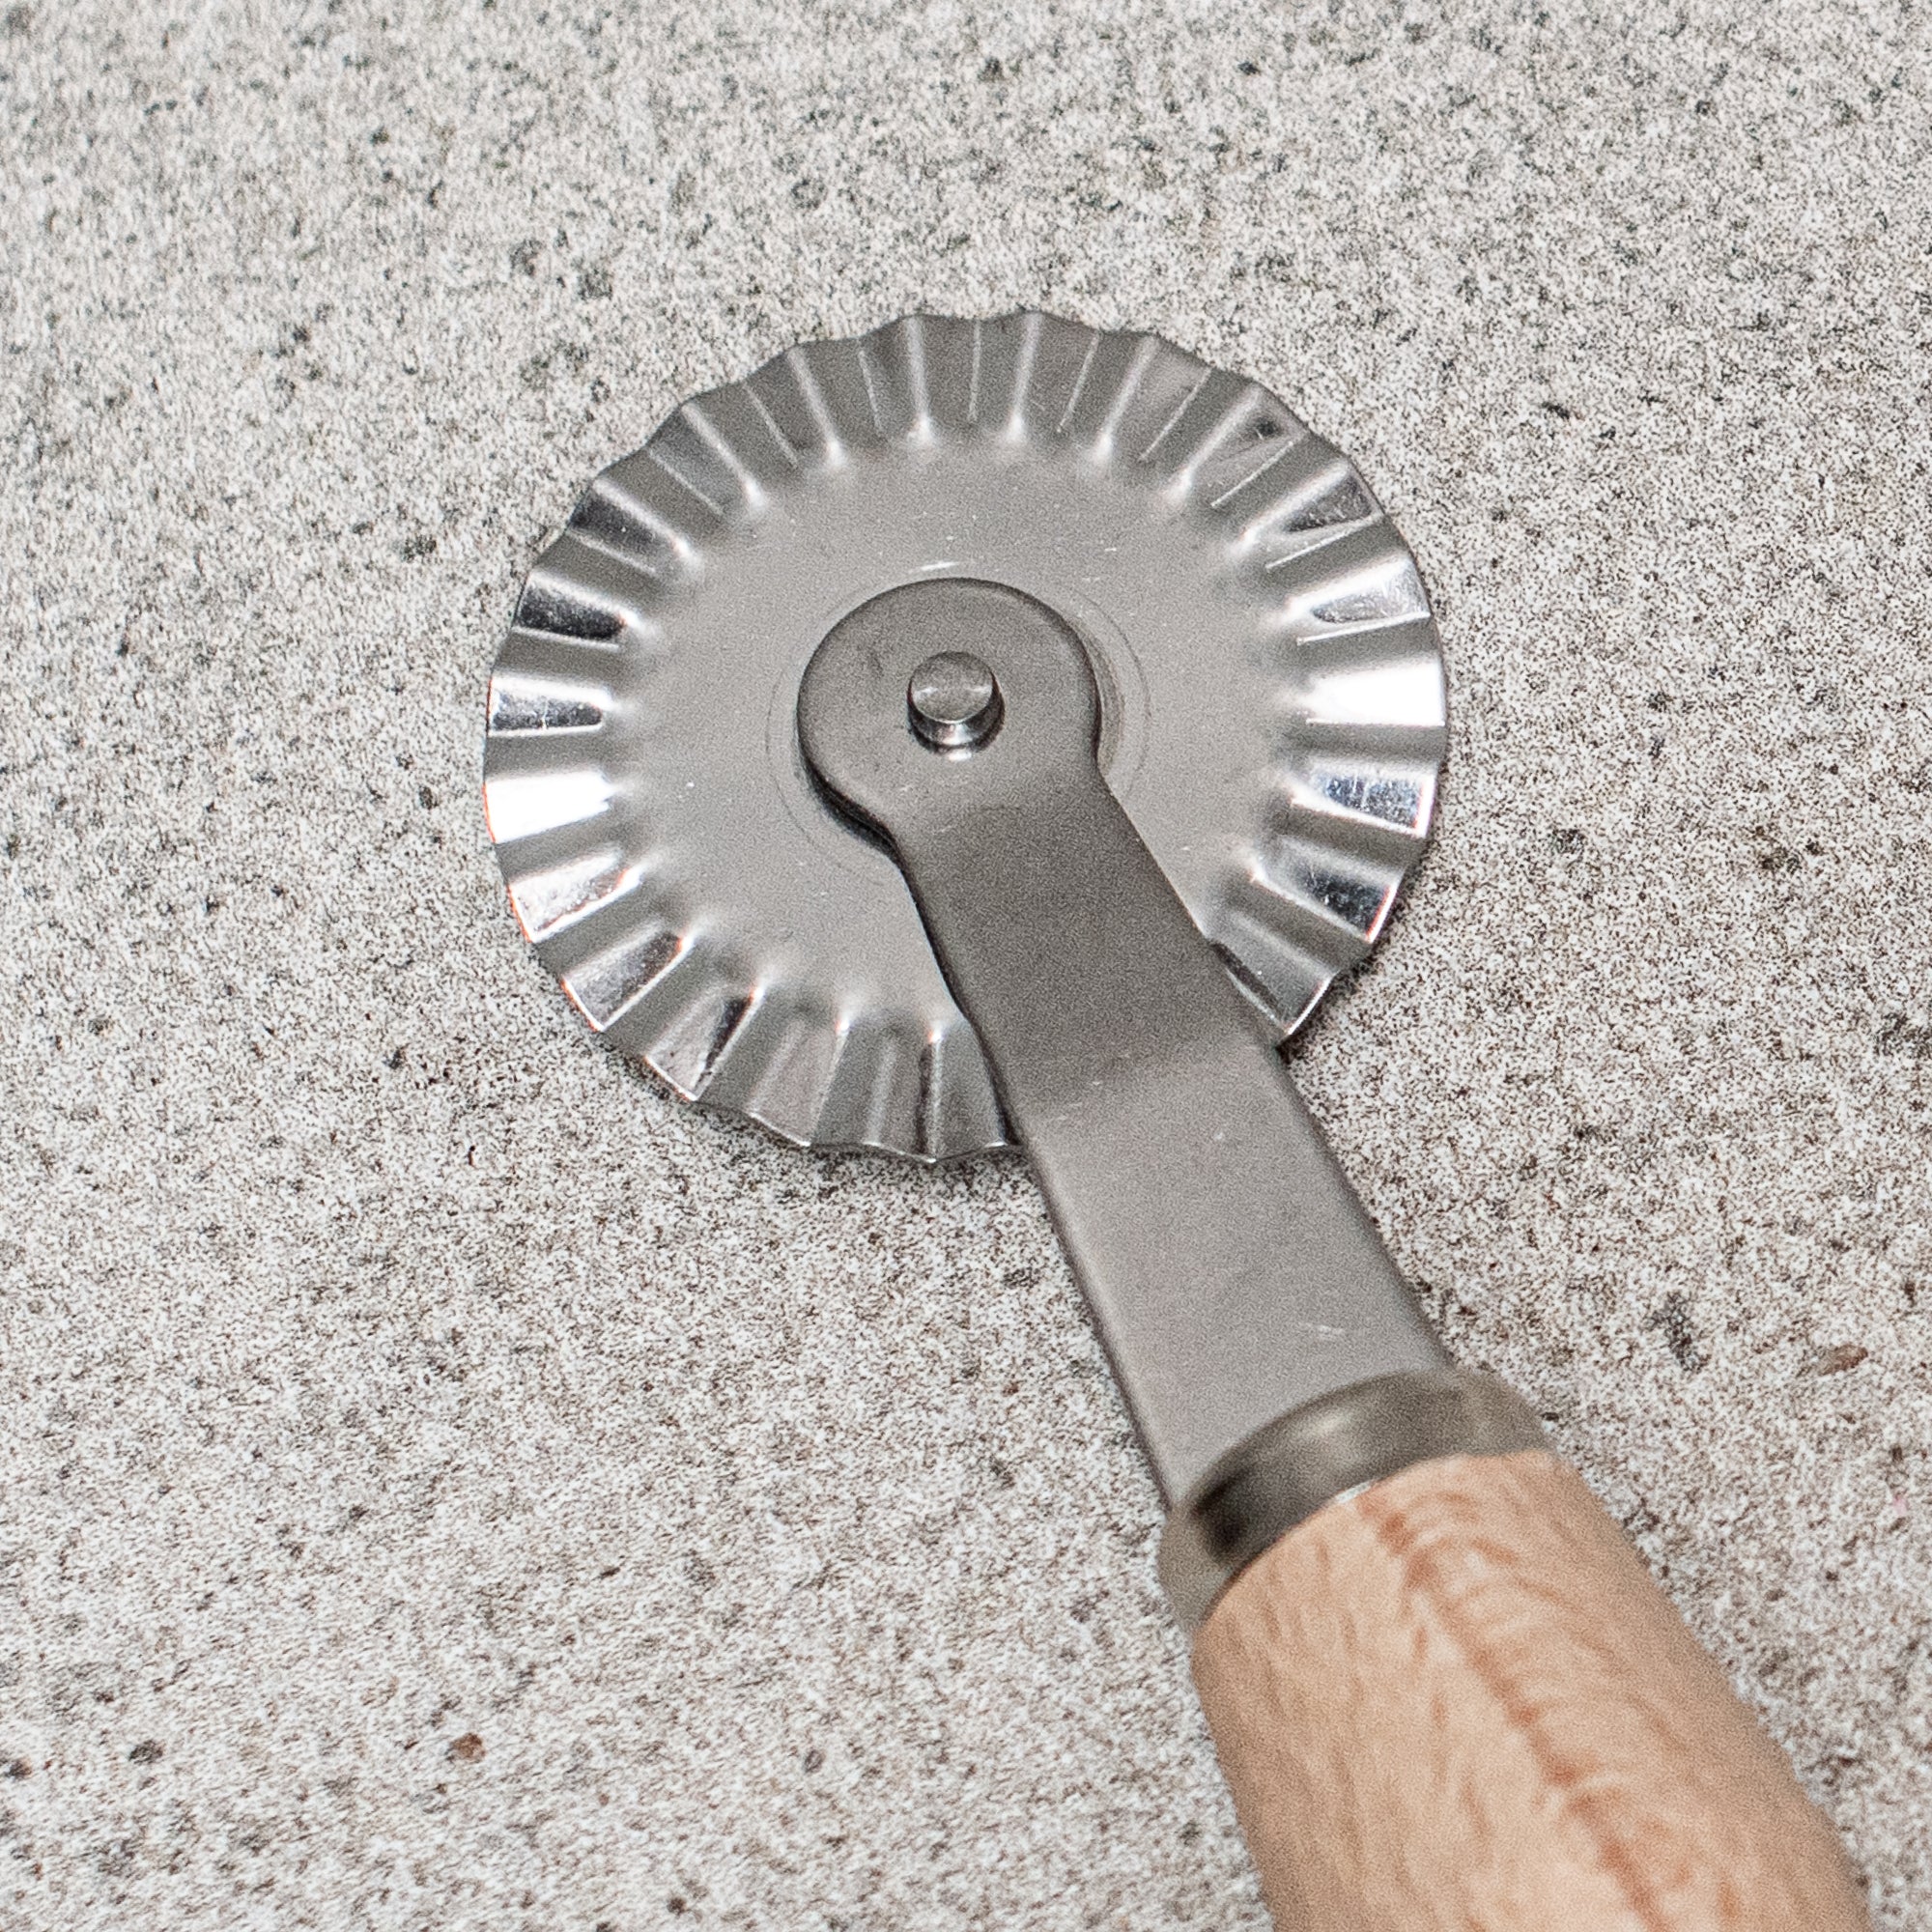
(1270, 689)
(953, 701)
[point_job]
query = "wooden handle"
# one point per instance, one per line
(1458, 1700)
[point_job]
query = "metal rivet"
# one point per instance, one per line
(953, 701)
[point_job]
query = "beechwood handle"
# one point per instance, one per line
(1458, 1702)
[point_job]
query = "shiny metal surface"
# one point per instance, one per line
(1232, 1273)
(1317, 1453)
(1270, 694)
(953, 701)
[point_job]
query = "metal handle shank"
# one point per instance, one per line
(1232, 1273)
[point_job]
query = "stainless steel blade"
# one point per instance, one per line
(1272, 699)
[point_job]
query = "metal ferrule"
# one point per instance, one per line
(1322, 1453)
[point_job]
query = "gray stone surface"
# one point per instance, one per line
(446, 1484)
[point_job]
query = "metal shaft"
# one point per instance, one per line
(1232, 1272)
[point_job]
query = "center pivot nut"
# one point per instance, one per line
(954, 666)
(953, 701)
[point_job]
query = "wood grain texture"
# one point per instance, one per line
(1459, 1701)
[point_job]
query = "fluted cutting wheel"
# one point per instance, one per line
(1271, 691)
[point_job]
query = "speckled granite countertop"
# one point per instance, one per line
(443, 1482)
